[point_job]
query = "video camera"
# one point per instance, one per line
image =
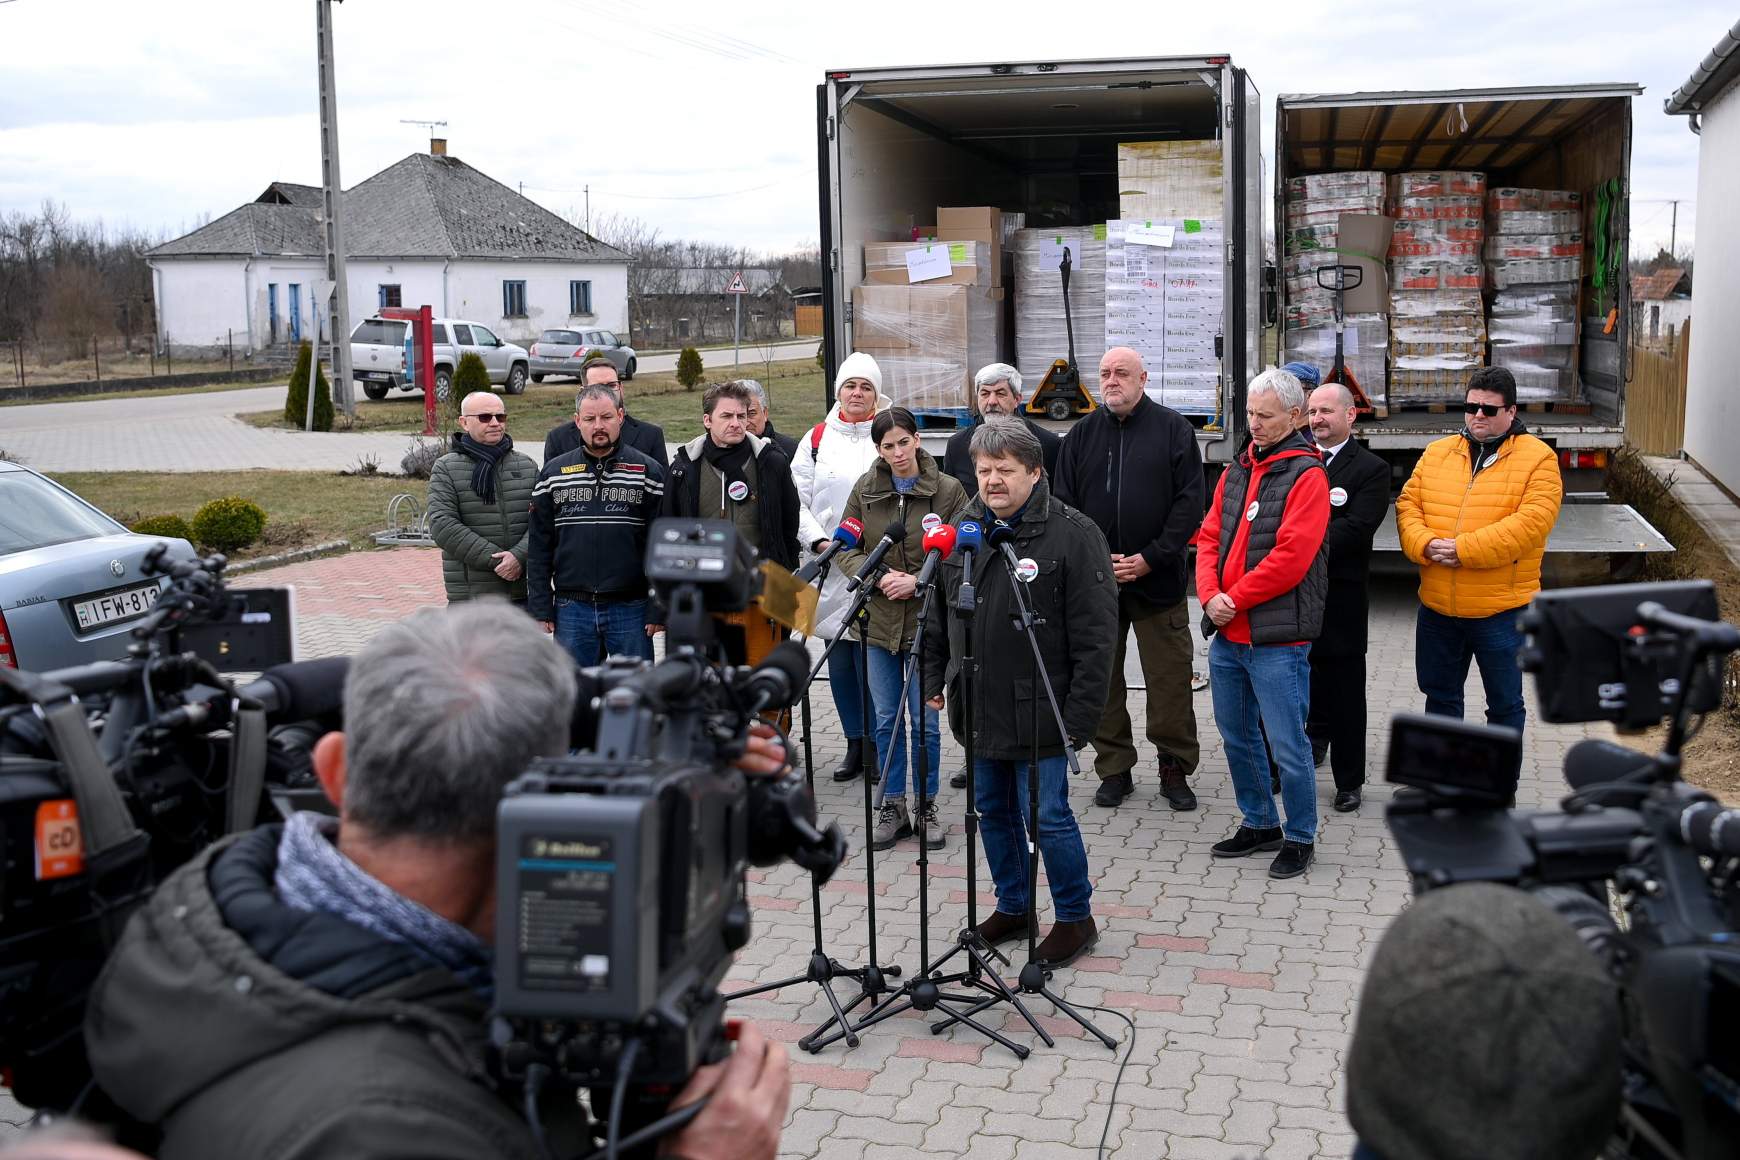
(1632, 839)
(620, 870)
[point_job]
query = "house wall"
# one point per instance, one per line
(1655, 318)
(475, 293)
(1712, 404)
(205, 304)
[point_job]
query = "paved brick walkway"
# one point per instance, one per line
(1242, 989)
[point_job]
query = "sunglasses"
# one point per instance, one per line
(489, 417)
(1490, 410)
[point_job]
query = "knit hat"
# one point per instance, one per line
(859, 365)
(1305, 373)
(1486, 1028)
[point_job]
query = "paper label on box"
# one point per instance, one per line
(1051, 247)
(926, 262)
(1149, 234)
(958, 253)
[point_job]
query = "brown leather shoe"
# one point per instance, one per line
(1065, 943)
(1002, 927)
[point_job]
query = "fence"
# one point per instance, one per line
(40, 363)
(1655, 399)
(809, 320)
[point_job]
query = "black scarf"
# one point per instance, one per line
(485, 460)
(730, 461)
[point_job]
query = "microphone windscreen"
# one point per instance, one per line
(791, 659)
(308, 689)
(1000, 533)
(970, 537)
(850, 532)
(940, 538)
(1593, 762)
(896, 531)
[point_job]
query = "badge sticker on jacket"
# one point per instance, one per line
(930, 520)
(1251, 512)
(738, 491)
(1489, 461)
(1337, 496)
(1026, 568)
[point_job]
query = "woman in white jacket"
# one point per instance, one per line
(829, 462)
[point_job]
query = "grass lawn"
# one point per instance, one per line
(303, 508)
(794, 389)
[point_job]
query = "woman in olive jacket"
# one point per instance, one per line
(903, 486)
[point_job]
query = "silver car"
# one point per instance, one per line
(70, 585)
(560, 352)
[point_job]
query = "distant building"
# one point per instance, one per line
(1661, 303)
(428, 230)
(1709, 99)
(690, 305)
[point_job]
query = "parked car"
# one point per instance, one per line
(560, 352)
(377, 355)
(70, 583)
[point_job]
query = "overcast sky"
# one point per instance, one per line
(700, 118)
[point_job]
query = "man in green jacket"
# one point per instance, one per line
(480, 494)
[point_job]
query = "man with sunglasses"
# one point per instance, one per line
(479, 496)
(1475, 517)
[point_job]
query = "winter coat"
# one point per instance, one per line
(589, 525)
(646, 438)
(1140, 479)
(243, 1027)
(787, 444)
(875, 503)
(958, 458)
(1262, 544)
(1361, 481)
(776, 504)
(826, 471)
(1075, 598)
(1499, 517)
(470, 531)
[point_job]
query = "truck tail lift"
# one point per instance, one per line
(1061, 396)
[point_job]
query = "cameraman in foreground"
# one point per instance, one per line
(323, 987)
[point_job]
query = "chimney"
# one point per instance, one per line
(437, 146)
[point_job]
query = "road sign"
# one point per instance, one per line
(737, 286)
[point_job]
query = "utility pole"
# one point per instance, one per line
(343, 390)
(1674, 229)
(588, 190)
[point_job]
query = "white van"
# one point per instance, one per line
(377, 355)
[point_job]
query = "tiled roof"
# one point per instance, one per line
(1656, 286)
(289, 193)
(422, 207)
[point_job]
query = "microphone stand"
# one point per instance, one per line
(822, 968)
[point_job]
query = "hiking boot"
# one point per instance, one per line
(1292, 860)
(892, 825)
(1065, 943)
(1245, 841)
(935, 830)
(1113, 790)
(1002, 927)
(958, 778)
(1174, 786)
(853, 762)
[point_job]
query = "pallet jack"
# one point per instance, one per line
(1340, 279)
(1061, 396)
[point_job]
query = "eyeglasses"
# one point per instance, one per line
(489, 417)
(1490, 410)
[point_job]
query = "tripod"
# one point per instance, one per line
(822, 969)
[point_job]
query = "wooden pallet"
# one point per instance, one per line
(1555, 408)
(942, 418)
(1426, 408)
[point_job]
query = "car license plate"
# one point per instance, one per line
(115, 606)
(382, 375)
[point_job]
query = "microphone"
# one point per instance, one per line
(301, 690)
(849, 534)
(1592, 762)
(938, 543)
(969, 542)
(776, 682)
(896, 532)
(1002, 537)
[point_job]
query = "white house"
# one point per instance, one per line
(428, 230)
(1710, 99)
(1661, 303)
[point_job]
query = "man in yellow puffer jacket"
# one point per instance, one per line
(1475, 516)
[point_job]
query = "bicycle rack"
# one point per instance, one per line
(407, 523)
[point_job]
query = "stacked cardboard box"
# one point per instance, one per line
(1534, 259)
(1171, 179)
(929, 336)
(1314, 208)
(1165, 294)
(1040, 337)
(1437, 324)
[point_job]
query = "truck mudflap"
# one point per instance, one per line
(1582, 529)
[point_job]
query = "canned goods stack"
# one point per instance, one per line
(1534, 263)
(1437, 324)
(1314, 208)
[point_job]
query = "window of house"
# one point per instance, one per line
(513, 299)
(389, 293)
(579, 298)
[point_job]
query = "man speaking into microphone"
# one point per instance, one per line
(1063, 561)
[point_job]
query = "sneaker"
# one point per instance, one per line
(1002, 927)
(892, 825)
(1173, 785)
(1065, 943)
(958, 778)
(852, 763)
(1247, 841)
(1292, 860)
(1113, 790)
(935, 830)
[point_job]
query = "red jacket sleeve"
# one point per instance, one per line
(1304, 522)
(1208, 547)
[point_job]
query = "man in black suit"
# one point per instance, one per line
(647, 438)
(1359, 497)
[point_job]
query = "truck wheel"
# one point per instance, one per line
(537, 378)
(376, 391)
(1059, 410)
(516, 380)
(628, 373)
(443, 383)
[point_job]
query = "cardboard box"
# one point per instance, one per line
(970, 263)
(975, 223)
(928, 339)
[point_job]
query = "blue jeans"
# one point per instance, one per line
(618, 628)
(1272, 683)
(1442, 648)
(1000, 790)
(886, 672)
(845, 664)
